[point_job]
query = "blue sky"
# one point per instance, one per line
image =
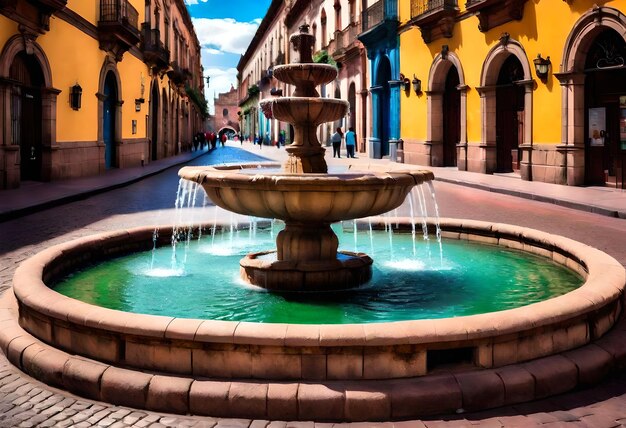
(224, 28)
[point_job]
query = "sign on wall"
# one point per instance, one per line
(597, 126)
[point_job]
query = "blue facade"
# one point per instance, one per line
(383, 51)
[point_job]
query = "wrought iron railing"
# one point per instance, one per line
(420, 7)
(373, 15)
(120, 11)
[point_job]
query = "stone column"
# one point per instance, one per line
(572, 148)
(484, 158)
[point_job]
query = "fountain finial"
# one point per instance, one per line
(303, 44)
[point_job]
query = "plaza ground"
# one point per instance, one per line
(43, 214)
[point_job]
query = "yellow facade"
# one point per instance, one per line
(544, 28)
(119, 62)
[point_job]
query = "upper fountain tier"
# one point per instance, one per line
(305, 110)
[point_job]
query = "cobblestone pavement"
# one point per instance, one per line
(25, 402)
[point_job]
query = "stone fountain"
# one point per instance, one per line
(304, 195)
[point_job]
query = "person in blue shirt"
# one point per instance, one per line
(350, 142)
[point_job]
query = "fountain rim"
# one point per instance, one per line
(604, 283)
(230, 176)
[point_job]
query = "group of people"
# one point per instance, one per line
(209, 137)
(338, 137)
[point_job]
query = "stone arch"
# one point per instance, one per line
(9, 158)
(484, 158)
(439, 69)
(572, 78)
(109, 67)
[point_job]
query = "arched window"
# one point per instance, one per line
(225, 112)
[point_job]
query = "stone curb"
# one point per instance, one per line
(40, 206)
(336, 388)
(326, 401)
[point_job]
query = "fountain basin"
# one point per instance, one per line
(301, 74)
(319, 198)
(311, 111)
(286, 371)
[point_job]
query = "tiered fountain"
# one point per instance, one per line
(304, 195)
(286, 371)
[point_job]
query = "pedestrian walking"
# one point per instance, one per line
(336, 140)
(350, 142)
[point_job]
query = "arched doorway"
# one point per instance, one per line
(26, 114)
(154, 115)
(383, 76)
(451, 117)
(110, 105)
(605, 104)
(509, 115)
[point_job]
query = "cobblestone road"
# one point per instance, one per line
(25, 402)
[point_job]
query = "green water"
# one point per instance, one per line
(411, 280)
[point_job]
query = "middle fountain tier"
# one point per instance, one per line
(303, 194)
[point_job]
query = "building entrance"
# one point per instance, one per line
(26, 118)
(605, 107)
(109, 113)
(451, 117)
(509, 115)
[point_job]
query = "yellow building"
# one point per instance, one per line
(86, 86)
(535, 88)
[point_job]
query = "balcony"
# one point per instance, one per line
(178, 74)
(346, 43)
(154, 52)
(379, 23)
(435, 18)
(118, 27)
(491, 13)
(34, 16)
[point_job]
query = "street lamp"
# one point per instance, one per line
(208, 79)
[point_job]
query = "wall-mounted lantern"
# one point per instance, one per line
(417, 85)
(542, 66)
(138, 103)
(405, 83)
(76, 93)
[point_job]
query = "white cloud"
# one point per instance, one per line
(218, 37)
(225, 34)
